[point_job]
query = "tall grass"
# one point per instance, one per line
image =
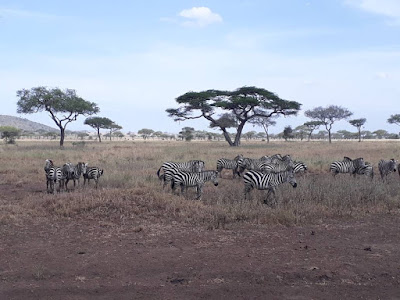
(130, 193)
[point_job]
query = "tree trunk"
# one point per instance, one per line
(98, 134)
(329, 136)
(62, 133)
(359, 134)
(238, 134)
(227, 136)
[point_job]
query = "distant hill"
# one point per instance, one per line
(24, 124)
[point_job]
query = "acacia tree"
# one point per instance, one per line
(187, 133)
(145, 132)
(9, 134)
(328, 116)
(265, 123)
(358, 123)
(394, 119)
(311, 126)
(62, 106)
(113, 127)
(240, 106)
(98, 123)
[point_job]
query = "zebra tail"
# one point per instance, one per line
(158, 173)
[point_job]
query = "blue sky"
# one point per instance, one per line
(134, 58)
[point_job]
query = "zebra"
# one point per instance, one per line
(387, 166)
(249, 164)
(73, 172)
(262, 181)
(277, 165)
(92, 173)
(190, 179)
(346, 166)
(367, 170)
(53, 175)
(299, 167)
(225, 163)
(190, 166)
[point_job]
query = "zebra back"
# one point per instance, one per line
(263, 181)
(387, 166)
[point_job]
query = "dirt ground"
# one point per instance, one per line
(84, 259)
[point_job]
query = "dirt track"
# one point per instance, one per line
(90, 260)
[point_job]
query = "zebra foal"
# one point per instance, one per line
(92, 173)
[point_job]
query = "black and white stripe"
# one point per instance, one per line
(299, 167)
(262, 181)
(347, 166)
(366, 170)
(246, 163)
(73, 172)
(190, 166)
(189, 179)
(53, 175)
(92, 173)
(387, 166)
(277, 165)
(231, 164)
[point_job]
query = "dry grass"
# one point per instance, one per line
(130, 194)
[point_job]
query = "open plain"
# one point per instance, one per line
(330, 238)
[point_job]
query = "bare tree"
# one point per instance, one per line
(328, 116)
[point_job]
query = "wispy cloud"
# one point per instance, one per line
(199, 17)
(388, 8)
(25, 14)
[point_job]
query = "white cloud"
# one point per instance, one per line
(200, 16)
(388, 8)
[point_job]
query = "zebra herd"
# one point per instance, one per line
(265, 173)
(68, 172)
(358, 166)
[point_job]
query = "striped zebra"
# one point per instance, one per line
(53, 175)
(262, 181)
(277, 165)
(387, 166)
(249, 164)
(299, 167)
(190, 166)
(73, 172)
(366, 170)
(190, 179)
(92, 173)
(225, 163)
(347, 165)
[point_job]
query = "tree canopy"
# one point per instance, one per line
(231, 109)
(9, 133)
(394, 119)
(62, 106)
(328, 116)
(358, 123)
(99, 123)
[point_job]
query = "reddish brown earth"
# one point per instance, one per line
(83, 259)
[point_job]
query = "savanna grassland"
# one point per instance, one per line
(130, 239)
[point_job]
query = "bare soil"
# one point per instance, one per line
(49, 258)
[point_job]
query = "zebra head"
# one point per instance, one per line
(81, 167)
(48, 165)
(291, 179)
(238, 157)
(214, 178)
(393, 163)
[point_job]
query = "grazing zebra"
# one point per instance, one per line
(190, 166)
(92, 173)
(347, 166)
(53, 175)
(262, 181)
(73, 172)
(225, 163)
(367, 170)
(189, 179)
(299, 167)
(386, 166)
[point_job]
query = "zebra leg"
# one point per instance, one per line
(247, 189)
(270, 191)
(199, 191)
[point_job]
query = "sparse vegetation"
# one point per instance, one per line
(130, 190)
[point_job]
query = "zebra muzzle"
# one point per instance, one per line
(216, 184)
(295, 185)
